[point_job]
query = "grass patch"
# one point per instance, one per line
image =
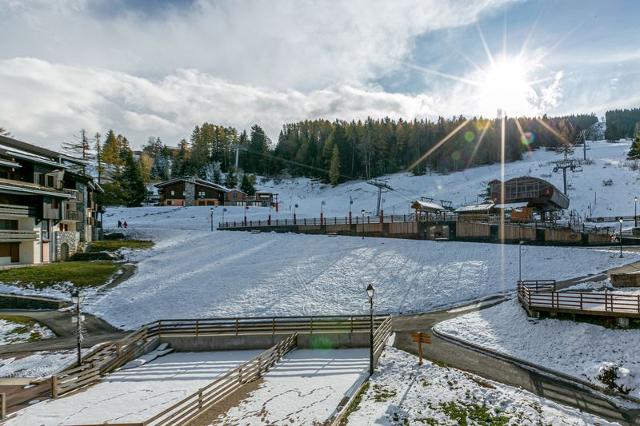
(81, 274)
(465, 414)
(115, 245)
(23, 325)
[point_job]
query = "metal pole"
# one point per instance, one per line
(211, 220)
(79, 331)
(363, 225)
(520, 261)
(371, 335)
(621, 238)
(635, 211)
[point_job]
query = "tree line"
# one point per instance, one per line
(621, 123)
(332, 151)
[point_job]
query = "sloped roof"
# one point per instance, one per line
(484, 207)
(427, 205)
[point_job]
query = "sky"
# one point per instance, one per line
(158, 68)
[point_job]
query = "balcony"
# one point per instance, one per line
(7, 236)
(74, 215)
(16, 210)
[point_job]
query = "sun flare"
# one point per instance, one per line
(505, 85)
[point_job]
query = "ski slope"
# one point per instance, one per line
(585, 188)
(193, 272)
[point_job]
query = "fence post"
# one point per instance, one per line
(273, 326)
(197, 327)
(237, 325)
(200, 400)
(240, 375)
(311, 325)
(259, 366)
(54, 386)
(3, 406)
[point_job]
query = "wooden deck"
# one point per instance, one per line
(538, 296)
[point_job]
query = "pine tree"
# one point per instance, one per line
(99, 160)
(78, 148)
(132, 183)
(247, 185)
(334, 169)
(217, 175)
(634, 151)
(231, 181)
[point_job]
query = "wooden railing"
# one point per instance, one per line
(263, 325)
(316, 221)
(110, 356)
(14, 235)
(380, 336)
(199, 402)
(582, 302)
(99, 362)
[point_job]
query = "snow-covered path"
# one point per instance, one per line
(303, 389)
(136, 394)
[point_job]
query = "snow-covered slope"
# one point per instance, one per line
(585, 188)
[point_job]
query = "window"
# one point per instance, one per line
(44, 230)
(201, 194)
(10, 225)
(55, 203)
(173, 193)
(50, 181)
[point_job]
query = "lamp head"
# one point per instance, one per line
(75, 296)
(370, 291)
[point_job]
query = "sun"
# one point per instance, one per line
(504, 85)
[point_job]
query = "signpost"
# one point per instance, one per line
(420, 338)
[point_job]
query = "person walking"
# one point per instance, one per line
(125, 224)
(119, 224)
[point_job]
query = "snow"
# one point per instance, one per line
(401, 392)
(194, 273)
(579, 349)
(135, 394)
(13, 332)
(304, 388)
(36, 365)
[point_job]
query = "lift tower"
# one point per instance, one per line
(381, 185)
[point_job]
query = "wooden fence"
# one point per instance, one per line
(545, 298)
(186, 410)
(110, 356)
(312, 221)
(380, 336)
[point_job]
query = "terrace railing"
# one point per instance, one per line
(546, 298)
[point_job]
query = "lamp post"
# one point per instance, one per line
(362, 224)
(295, 206)
(224, 209)
(635, 212)
(211, 217)
(520, 261)
(245, 215)
(621, 238)
(370, 292)
(75, 299)
(322, 212)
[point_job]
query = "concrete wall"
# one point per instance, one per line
(264, 341)
(403, 228)
(562, 235)
(515, 232)
(599, 239)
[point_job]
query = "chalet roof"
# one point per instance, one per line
(517, 205)
(427, 205)
(35, 153)
(195, 180)
(475, 208)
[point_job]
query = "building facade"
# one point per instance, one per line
(46, 210)
(191, 191)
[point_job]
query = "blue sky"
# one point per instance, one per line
(157, 68)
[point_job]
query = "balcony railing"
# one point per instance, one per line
(12, 235)
(73, 215)
(17, 210)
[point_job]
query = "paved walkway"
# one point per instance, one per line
(96, 331)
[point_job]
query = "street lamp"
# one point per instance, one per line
(75, 299)
(621, 238)
(245, 215)
(211, 217)
(520, 261)
(224, 209)
(370, 292)
(362, 224)
(295, 206)
(635, 211)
